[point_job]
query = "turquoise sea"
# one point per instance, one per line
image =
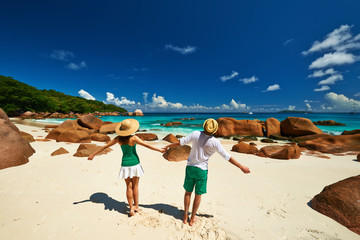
(152, 121)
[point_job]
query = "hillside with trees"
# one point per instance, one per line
(17, 97)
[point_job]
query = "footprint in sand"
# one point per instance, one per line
(206, 227)
(76, 228)
(307, 234)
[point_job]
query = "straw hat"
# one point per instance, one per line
(127, 127)
(210, 126)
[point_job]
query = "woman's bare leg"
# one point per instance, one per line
(135, 185)
(129, 195)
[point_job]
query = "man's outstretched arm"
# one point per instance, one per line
(237, 164)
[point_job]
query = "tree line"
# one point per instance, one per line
(17, 97)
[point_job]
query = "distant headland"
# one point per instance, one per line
(17, 98)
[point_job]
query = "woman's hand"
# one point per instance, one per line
(91, 157)
(162, 150)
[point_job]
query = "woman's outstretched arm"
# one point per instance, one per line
(142, 143)
(114, 141)
(175, 144)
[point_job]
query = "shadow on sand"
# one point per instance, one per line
(165, 209)
(121, 207)
(109, 203)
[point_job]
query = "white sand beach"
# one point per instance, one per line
(66, 197)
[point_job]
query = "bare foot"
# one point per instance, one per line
(185, 218)
(137, 209)
(192, 221)
(132, 212)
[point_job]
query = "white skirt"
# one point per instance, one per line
(130, 172)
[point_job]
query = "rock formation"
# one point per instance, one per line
(242, 147)
(147, 136)
(14, 149)
(231, 126)
(333, 144)
(176, 154)
(296, 126)
(340, 201)
(100, 137)
(90, 121)
(70, 131)
(59, 152)
(272, 126)
(170, 138)
(84, 150)
(108, 128)
(138, 112)
(328, 123)
(291, 151)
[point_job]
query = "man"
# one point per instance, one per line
(204, 144)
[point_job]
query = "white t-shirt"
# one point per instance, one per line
(203, 146)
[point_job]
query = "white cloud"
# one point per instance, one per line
(233, 106)
(272, 88)
(323, 88)
(237, 105)
(335, 40)
(86, 95)
(111, 99)
(62, 55)
(331, 80)
(288, 41)
(145, 96)
(76, 66)
(182, 50)
(291, 107)
(341, 103)
(159, 102)
(335, 58)
(198, 107)
(228, 77)
(321, 73)
(249, 80)
(308, 106)
(324, 107)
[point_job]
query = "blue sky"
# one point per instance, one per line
(188, 55)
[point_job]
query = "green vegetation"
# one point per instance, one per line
(16, 96)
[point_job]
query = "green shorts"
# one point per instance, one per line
(197, 177)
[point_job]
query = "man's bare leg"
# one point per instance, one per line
(196, 205)
(187, 199)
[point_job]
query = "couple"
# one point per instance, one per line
(204, 144)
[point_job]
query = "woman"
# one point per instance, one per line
(131, 169)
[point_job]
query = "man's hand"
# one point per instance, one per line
(237, 164)
(245, 169)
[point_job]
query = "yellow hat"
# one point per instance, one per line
(127, 127)
(210, 126)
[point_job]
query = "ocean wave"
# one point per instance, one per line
(332, 132)
(50, 120)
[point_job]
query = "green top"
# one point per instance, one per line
(130, 157)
